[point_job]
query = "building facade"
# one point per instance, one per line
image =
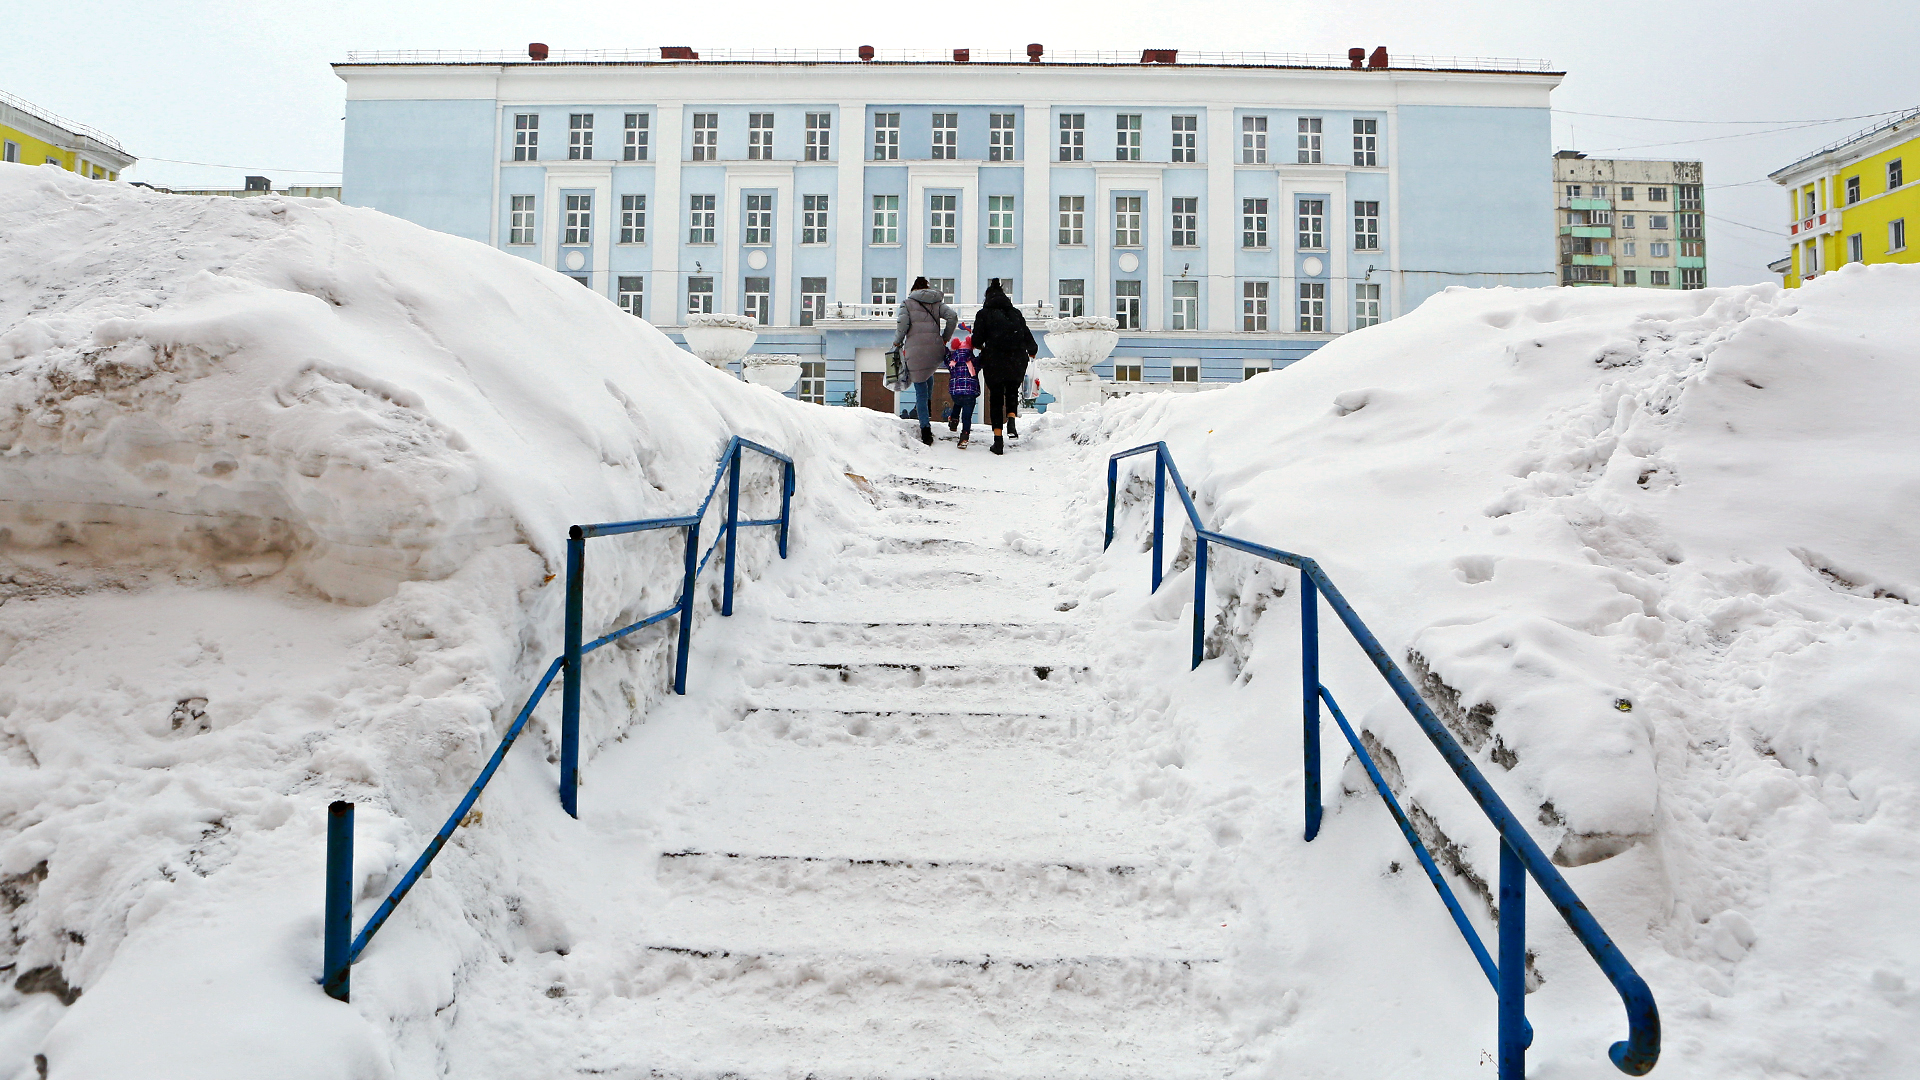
(1232, 212)
(1851, 201)
(260, 185)
(1630, 224)
(30, 135)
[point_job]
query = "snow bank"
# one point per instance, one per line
(1654, 557)
(284, 486)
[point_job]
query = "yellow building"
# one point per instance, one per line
(31, 135)
(1852, 201)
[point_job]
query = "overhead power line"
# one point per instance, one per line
(243, 168)
(1674, 120)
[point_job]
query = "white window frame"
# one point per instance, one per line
(1366, 143)
(942, 285)
(1253, 224)
(1000, 221)
(523, 219)
(1073, 297)
(1186, 305)
(946, 136)
(819, 136)
(1129, 307)
(1366, 304)
(1629, 248)
(526, 137)
(700, 294)
(1896, 173)
(1313, 307)
(630, 292)
(760, 136)
(1126, 373)
(638, 127)
(706, 136)
(700, 220)
(813, 382)
(1897, 235)
(1310, 224)
(1253, 140)
(1660, 279)
(886, 136)
(813, 299)
(1126, 136)
(1310, 133)
(1659, 249)
(1254, 298)
(1073, 221)
(1000, 144)
(757, 303)
(813, 220)
(580, 136)
(1126, 221)
(1630, 275)
(943, 220)
(578, 230)
(1073, 136)
(1185, 216)
(1366, 225)
(1186, 138)
(1184, 373)
(886, 221)
(633, 219)
(884, 290)
(759, 223)
(1693, 277)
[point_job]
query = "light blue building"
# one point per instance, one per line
(1234, 212)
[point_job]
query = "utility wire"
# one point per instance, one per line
(243, 168)
(1670, 120)
(1775, 233)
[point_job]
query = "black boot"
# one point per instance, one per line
(999, 445)
(1013, 429)
(926, 436)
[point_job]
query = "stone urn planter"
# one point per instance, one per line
(1077, 343)
(775, 371)
(720, 339)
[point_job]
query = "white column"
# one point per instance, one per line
(913, 228)
(493, 224)
(850, 211)
(1155, 233)
(1390, 298)
(968, 287)
(1223, 214)
(667, 224)
(1100, 241)
(732, 207)
(1036, 234)
(606, 218)
(785, 209)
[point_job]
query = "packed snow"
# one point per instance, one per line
(283, 486)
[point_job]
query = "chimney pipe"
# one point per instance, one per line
(1356, 58)
(537, 51)
(866, 52)
(1379, 57)
(1034, 52)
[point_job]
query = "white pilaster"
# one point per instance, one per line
(849, 209)
(668, 222)
(1223, 215)
(1036, 233)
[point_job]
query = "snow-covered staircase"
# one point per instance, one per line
(920, 872)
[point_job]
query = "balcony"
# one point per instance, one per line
(1592, 260)
(1820, 224)
(1598, 232)
(844, 315)
(1587, 204)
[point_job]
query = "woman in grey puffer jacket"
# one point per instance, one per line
(921, 333)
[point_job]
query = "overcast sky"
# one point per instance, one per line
(245, 87)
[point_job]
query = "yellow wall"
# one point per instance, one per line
(1869, 217)
(36, 152)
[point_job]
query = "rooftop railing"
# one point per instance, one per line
(944, 56)
(54, 118)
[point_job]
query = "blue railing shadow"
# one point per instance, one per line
(1519, 855)
(342, 948)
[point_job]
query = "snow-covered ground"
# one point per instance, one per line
(282, 485)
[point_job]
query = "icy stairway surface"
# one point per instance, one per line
(908, 859)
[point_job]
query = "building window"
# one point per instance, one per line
(1126, 137)
(1599, 191)
(886, 219)
(1657, 222)
(1626, 221)
(580, 136)
(819, 136)
(1629, 277)
(760, 136)
(1313, 307)
(520, 223)
(1127, 373)
(1659, 250)
(1687, 197)
(1073, 220)
(1253, 306)
(1186, 373)
(584, 281)
(757, 297)
(706, 136)
(1186, 138)
(1811, 209)
(1073, 136)
(579, 229)
(1626, 194)
(1627, 247)
(1897, 235)
(1000, 220)
(633, 219)
(886, 136)
(1253, 140)
(1659, 279)
(12, 152)
(1656, 194)
(699, 295)
(813, 221)
(1366, 225)
(1253, 223)
(1573, 191)
(1366, 143)
(1856, 248)
(1853, 190)
(886, 290)
(941, 215)
(1253, 368)
(944, 285)
(1692, 226)
(1309, 140)
(1000, 137)
(1366, 304)
(1073, 297)
(1186, 221)
(1126, 304)
(526, 137)
(813, 299)
(1186, 305)
(1126, 221)
(813, 381)
(700, 219)
(1310, 221)
(632, 295)
(946, 136)
(1896, 175)
(759, 220)
(637, 130)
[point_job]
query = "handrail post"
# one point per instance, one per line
(570, 693)
(733, 528)
(1514, 1033)
(686, 609)
(1113, 480)
(1159, 509)
(786, 504)
(1310, 698)
(336, 971)
(1199, 599)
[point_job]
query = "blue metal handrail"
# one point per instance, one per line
(1519, 855)
(342, 948)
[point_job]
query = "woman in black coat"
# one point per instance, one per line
(1004, 343)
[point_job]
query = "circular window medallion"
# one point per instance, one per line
(756, 260)
(1129, 262)
(1312, 266)
(576, 259)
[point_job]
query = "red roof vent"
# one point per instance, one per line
(961, 56)
(537, 51)
(1159, 56)
(678, 52)
(1356, 58)
(866, 52)
(1034, 52)
(1379, 57)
